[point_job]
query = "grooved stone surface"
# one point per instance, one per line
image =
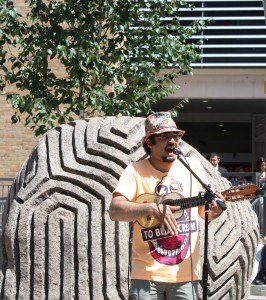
(58, 240)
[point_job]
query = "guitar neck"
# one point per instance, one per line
(188, 202)
(233, 194)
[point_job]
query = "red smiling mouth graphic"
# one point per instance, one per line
(170, 250)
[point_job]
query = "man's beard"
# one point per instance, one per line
(168, 159)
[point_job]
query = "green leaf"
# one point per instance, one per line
(74, 56)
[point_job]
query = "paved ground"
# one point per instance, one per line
(257, 292)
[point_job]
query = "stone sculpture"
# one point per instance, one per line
(58, 240)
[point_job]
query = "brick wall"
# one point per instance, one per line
(16, 143)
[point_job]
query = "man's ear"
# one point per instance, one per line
(149, 143)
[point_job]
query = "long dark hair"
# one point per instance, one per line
(145, 146)
(259, 162)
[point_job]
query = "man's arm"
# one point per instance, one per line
(121, 209)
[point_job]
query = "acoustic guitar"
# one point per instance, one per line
(238, 193)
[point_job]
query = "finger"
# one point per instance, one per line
(170, 223)
(214, 203)
(171, 227)
(175, 208)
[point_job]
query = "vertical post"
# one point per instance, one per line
(205, 262)
(264, 217)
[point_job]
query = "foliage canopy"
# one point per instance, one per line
(76, 57)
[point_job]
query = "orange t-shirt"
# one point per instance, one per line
(156, 255)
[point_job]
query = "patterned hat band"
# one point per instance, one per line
(158, 123)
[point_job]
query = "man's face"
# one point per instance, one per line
(163, 146)
(263, 167)
(214, 161)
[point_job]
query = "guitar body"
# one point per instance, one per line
(150, 221)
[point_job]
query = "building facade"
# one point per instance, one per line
(227, 91)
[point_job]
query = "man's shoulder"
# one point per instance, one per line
(194, 163)
(193, 160)
(221, 169)
(140, 162)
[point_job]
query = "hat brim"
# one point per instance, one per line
(162, 131)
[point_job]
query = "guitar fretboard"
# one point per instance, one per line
(187, 202)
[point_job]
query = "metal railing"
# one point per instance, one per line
(235, 38)
(259, 202)
(259, 206)
(5, 184)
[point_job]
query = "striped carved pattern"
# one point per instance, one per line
(58, 240)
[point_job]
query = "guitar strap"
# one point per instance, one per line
(159, 199)
(129, 253)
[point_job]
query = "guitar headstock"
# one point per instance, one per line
(241, 192)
